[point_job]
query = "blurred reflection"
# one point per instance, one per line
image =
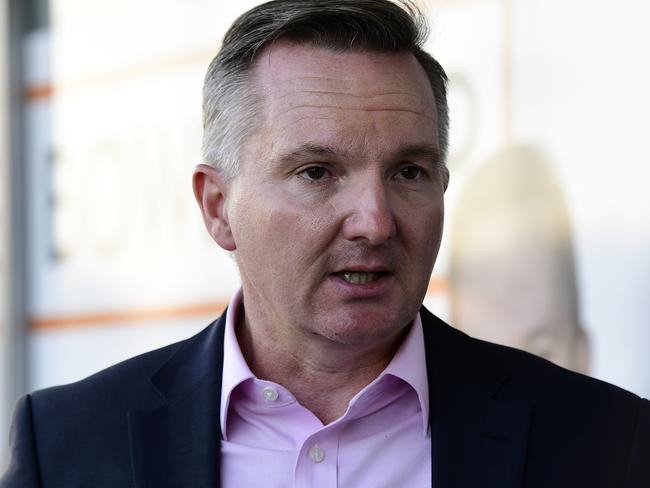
(512, 270)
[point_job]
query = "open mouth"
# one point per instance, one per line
(360, 277)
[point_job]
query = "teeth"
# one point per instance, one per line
(360, 278)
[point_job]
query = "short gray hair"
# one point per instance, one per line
(230, 99)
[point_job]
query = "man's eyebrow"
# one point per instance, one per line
(310, 150)
(427, 151)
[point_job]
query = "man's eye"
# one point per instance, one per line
(410, 173)
(314, 173)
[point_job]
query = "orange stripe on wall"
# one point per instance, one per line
(91, 320)
(37, 92)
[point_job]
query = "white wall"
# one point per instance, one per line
(582, 78)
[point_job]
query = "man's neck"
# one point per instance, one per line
(323, 376)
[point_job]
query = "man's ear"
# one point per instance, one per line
(210, 191)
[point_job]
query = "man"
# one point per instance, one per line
(325, 138)
(518, 286)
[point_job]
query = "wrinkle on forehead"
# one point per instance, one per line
(365, 86)
(289, 93)
(370, 108)
(315, 103)
(339, 100)
(324, 87)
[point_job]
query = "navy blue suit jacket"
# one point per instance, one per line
(499, 418)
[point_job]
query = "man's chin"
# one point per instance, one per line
(361, 325)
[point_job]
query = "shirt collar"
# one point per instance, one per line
(408, 364)
(235, 368)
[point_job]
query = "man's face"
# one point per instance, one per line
(337, 212)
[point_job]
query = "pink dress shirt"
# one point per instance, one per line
(270, 440)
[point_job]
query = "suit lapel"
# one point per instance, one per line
(476, 439)
(177, 444)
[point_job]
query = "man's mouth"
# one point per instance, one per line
(360, 277)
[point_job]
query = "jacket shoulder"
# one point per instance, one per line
(91, 415)
(126, 378)
(577, 427)
(539, 378)
(101, 400)
(524, 374)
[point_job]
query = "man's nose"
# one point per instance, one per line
(370, 215)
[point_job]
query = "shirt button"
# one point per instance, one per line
(270, 394)
(316, 454)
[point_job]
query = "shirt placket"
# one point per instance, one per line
(316, 465)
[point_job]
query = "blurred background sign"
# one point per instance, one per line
(104, 255)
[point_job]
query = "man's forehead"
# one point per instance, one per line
(286, 67)
(341, 100)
